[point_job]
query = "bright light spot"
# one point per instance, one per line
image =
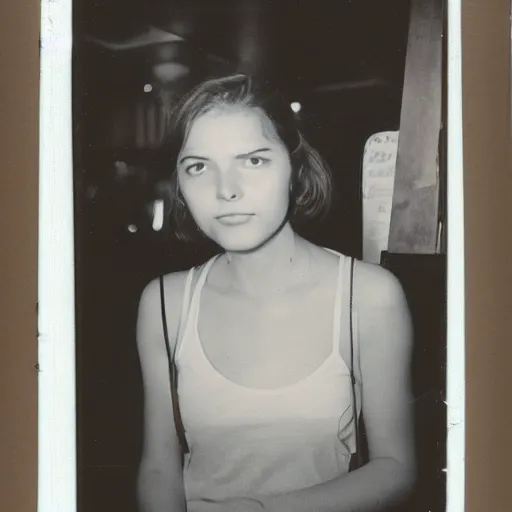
(158, 214)
(296, 106)
(132, 228)
(148, 88)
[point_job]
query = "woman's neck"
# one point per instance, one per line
(268, 270)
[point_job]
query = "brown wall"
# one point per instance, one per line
(18, 253)
(488, 175)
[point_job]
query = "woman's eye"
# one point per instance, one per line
(196, 168)
(255, 161)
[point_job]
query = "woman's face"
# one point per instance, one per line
(234, 173)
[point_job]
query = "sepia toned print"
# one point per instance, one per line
(260, 255)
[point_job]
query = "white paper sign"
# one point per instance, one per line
(378, 176)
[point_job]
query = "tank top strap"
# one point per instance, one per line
(201, 280)
(338, 305)
(345, 329)
(185, 303)
(191, 296)
(352, 316)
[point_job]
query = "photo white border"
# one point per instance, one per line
(56, 295)
(456, 353)
(56, 271)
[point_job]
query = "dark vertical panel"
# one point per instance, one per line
(414, 215)
(423, 277)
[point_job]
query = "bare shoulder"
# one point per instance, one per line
(384, 319)
(174, 285)
(376, 287)
(149, 322)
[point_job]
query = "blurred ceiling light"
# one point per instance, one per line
(149, 36)
(170, 71)
(132, 228)
(148, 88)
(158, 214)
(296, 106)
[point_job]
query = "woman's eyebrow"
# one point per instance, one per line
(192, 157)
(247, 155)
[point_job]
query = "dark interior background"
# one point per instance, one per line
(342, 60)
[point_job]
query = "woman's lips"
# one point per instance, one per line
(234, 219)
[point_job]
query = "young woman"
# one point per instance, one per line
(278, 345)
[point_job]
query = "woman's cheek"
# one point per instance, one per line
(271, 180)
(278, 188)
(199, 201)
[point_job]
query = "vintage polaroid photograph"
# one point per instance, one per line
(261, 207)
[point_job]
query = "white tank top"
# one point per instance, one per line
(248, 442)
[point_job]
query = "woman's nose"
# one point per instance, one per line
(228, 187)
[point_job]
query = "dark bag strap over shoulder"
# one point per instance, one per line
(170, 354)
(172, 370)
(357, 459)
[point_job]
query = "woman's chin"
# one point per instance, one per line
(240, 246)
(237, 242)
(243, 238)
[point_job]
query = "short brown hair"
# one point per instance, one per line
(311, 186)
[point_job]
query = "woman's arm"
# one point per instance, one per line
(385, 335)
(160, 480)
